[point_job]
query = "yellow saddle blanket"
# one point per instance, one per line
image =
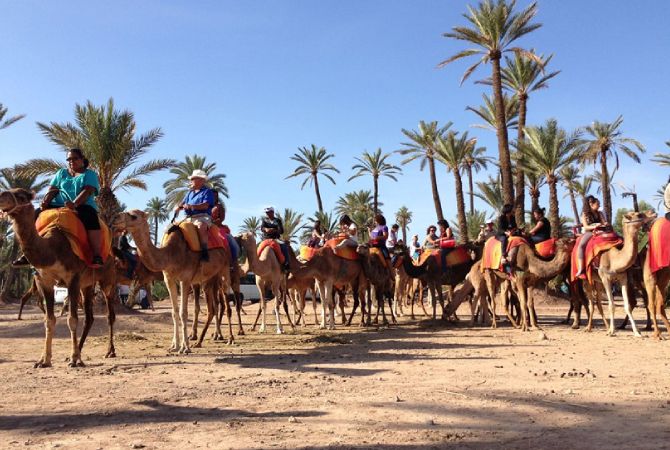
(190, 233)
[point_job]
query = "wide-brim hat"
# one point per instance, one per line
(269, 209)
(197, 173)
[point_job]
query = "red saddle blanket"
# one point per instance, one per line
(493, 251)
(68, 223)
(346, 252)
(274, 245)
(190, 233)
(459, 255)
(546, 249)
(596, 245)
(659, 245)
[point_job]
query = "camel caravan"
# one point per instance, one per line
(68, 245)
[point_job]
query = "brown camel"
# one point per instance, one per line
(268, 272)
(381, 280)
(297, 288)
(474, 291)
(530, 270)
(142, 277)
(614, 265)
(656, 284)
(180, 265)
(52, 257)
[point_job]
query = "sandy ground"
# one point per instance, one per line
(415, 385)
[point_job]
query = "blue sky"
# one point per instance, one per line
(246, 83)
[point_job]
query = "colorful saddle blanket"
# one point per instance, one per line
(190, 233)
(459, 255)
(659, 245)
(546, 249)
(493, 251)
(274, 245)
(596, 245)
(345, 252)
(68, 223)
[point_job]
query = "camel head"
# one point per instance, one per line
(400, 250)
(14, 201)
(363, 249)
(133, 220)
(633, 221)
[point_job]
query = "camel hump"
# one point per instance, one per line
(67, 222)
(190, 233)
(274, 245)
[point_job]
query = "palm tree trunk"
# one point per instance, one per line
(156, 231)
(573, 201)
(471, 194)
(108, 204)
(318, 194)
(605, 185)
(554, 218)
(433, 185)
(520, 184)
(503, 140)
(460, 204)
(404, 233)
(10, 274)
(535, 201)
(376, 194)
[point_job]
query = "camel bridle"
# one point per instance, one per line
(16, 206)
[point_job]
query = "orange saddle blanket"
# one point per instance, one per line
(459, 255)
(68, 223)
(493, 251)
(345, 252)
(659, 245)
(190, 233)
(546, 249)
(596, 245)
(274, 245)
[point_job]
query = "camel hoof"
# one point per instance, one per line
(240, 332)
(110, 354)
(193, 337)
(196, 345)
(185, 350)
(637, 335)
(41, 365)
(230, 341)
(279, 331)
(575, 326)
(172, 349)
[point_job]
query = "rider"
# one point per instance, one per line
(542, 229)
(415, 247)
(592, 220)
(445, 235)
(317, 235)
(75, 188)
(218, 216)
(272, 228)
(127, 252)
(350, 231)
(666, 200)
(487, 231)
(431, 241)
(506, 228)
(197, 206)
(379, 235)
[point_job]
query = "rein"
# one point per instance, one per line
(16, 206)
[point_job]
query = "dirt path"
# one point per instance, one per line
(416, 385)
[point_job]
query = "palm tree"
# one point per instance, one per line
(583, 187)
(328, 224)
(521, 76)
(474, 160)
(487, 112)
(490, 192)
(313, 161)
(403, 217)
(375, 164)
(451, 151)
(4, 123)
(603, 142)
(251, 225)
(569, 177)
(534, 182)
(291, 220)
(422, 146)
(495, 28)
(108, 139)
(546, 151)
(157, 211)
(662, 159)
(176, 188)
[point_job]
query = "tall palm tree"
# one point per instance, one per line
(490, 192)
(569, 177)
(403, 217)
(312, 162)
(547, 149)
(662, 159)
(583, 187)
(108, 138)
(4, 123)
(158, 212)
(328, 224)
(474, 160)
(422, 146)
(291, 220)
(534, 182)
(602, 143)
(495, 28)
(375, 165)
(487, 112)
(356, 202)
(251, 225)
(522, 76)
(451, 151)
(476, 219)
(176, 188)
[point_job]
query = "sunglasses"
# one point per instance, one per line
(74, 158)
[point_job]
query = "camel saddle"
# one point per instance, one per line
(546, 249)
(346, 252)
(274, 245)
(459, 255)
(598, 244)
(493, 251)
(67, 222)
(190, 233)
(659, 245)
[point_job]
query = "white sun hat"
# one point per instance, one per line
(269, 209)
(197, 173)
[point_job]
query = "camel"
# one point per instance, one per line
(268, 271)
(614, 265)
(474, 290)
(180, 265)
(381, 278)
(298, 288)
(142, 277)
(656, 285)
(52, 257)
(530, 270)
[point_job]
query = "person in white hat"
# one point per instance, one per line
(272, 228)
(486, 231)
(197, 206)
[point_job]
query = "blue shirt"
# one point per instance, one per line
(69, 187)
(204, 195)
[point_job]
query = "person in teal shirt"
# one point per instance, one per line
(75, 188)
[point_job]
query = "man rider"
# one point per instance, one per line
(272, 228)
(197, 206)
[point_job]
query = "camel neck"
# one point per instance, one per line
(154, 258)
(621, 260)
(547, 269)
(34, 246)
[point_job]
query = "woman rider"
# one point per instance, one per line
(431, 241)
(542, 229)
(317, 235)
(379, 234)
(75, 188)
(445, 235)
(506, 227)
(592, 220)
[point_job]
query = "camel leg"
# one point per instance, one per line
(47, 293)
(211, 312)
(196, 312)
(341, 301)
(150, 296)
(316, 316)
(607, 283)
(491, 286)
(421, 302)
(238, 310)
(183, 319)
(262, 305)
(326, 300)
(229, 316)
(505, 295)
(73, 321)
(284, 294)
(29, 293)
(590, 312)
(171, 286)
(88, 316)
(357, 301)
